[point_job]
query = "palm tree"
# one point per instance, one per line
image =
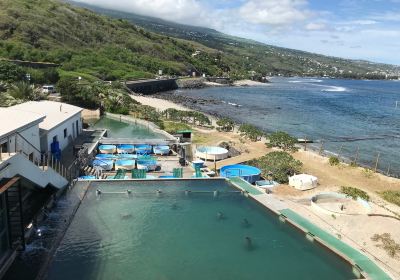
(25, 91)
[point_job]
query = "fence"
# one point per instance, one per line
(376, 161)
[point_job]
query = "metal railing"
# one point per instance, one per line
(46, 160)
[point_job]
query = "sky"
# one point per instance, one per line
(357, 29)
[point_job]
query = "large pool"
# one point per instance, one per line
(122, 129)
(177, 235)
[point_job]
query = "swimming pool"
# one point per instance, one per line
(249, 173)
(179, 235)
(121, 129)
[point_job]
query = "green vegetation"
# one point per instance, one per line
(173, 127)
(334, 161)
(10, 72)
(278, 165)
(94, 46)
(283, 141)
(225, 124)
(354, 193)
(387, 243)
(251, 132)
(391, 196)
(25, 91)
(189, 117)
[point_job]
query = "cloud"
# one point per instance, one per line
(183, 11)
(274, 12)
(314, 26)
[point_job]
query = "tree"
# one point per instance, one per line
(10, 72)
(251, 132)
(25, 91)
(225, 124)
(283, 141)
(280, 165)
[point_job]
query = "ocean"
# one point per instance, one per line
(357, 119)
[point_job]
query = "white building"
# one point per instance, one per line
(62, 122)
(15, 126)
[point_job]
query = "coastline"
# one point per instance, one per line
(355, 230)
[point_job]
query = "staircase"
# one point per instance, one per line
(14, 215)
(41, 169)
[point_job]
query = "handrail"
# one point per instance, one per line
(61, 168)
(27, 141)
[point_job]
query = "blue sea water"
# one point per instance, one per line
(352, 114)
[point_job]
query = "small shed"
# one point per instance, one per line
(184, 135)
(303, 182)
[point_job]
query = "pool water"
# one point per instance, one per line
(177, 236)
(121, 129)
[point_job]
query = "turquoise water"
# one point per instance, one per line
(121, 129)
(174, 236)
(352, 114)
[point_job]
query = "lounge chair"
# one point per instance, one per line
(177, 172)
(138, 174)
(120, 174)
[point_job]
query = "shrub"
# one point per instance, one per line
(225, 124)
(280, 165)
(9, 72)
(334, 161)
(354, 192)
(251, 132)
(387, 243)
(283, 141)
(391, 196)
(173, 127)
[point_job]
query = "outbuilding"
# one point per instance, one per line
(62, 122)
(19, 132)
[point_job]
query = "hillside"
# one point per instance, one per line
(96, 46)
(92, 45)
(260, 57)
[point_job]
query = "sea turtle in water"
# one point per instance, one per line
(125, 216)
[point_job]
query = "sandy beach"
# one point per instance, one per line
(354, 230)
(242, 83)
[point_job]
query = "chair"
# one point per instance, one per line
(177, 172)
(198, 173)
(138, 174)
(120, 174)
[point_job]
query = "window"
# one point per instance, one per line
(65, 133)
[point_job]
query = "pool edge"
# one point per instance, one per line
(362, 264)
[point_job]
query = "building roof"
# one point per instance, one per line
(56, 112)
(12, 120)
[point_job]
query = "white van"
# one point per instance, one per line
(48, 89)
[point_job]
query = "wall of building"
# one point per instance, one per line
(31, 143)
(59, 132)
